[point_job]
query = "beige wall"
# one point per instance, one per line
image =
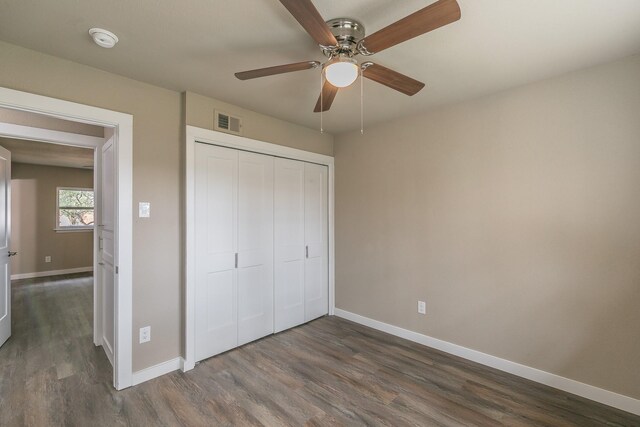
(33, 215)
(515, 216)
(158, 120)
(156, 147)
(200, 112)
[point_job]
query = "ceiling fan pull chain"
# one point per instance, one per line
(361, 103)
(321, 101)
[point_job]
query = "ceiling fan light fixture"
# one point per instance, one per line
(341, 71)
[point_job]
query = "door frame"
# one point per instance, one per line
(122, 124)
(196, 135)
(76, 140)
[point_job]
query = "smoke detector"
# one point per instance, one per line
(103, 38)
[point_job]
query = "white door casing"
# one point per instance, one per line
(122, 126)
(5, 245)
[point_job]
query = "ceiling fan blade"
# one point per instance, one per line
(325, 100)
(279, 69)
(392, 79)
(434, 16)
(307, 15)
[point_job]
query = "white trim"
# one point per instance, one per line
(193, 135)
(109, 351)
(50, 273)
(73, 229)
(97, 278)
(244, 143)
(48, 135)
(331, 241)
(122, 125)
(156, 370)
(587, 391)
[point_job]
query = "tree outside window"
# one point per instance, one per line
(75, 208)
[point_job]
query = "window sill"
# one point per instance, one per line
(72, 230)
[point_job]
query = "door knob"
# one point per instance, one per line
(12, 253)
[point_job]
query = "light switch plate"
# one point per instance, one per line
(144, 210)
(47, 259)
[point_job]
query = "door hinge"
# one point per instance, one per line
(116, 269)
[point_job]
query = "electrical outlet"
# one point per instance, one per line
(47, 259)
(422, 307)
(145, 334)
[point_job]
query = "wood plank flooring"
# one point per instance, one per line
(329, 372)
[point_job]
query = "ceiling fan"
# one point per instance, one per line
(342, 39)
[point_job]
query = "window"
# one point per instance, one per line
(75, 208)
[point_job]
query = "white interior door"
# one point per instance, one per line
(289, 243)
(255, 246)
(5, 241)
(106, 246)
(316, 250)
(216, 243)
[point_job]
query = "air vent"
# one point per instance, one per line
(227, 123)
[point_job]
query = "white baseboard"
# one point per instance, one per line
(51, 273)
(186, 366)
(587, 391)
(108, 351)
(156, 370)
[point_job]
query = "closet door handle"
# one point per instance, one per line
(306, 249)
(236, 260)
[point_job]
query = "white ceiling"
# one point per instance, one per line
(197, 45)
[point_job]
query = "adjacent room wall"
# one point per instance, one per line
(33, 219)
(515, 217)
(158, 128)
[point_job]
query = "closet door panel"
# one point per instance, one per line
(289, 243)
(220, 310)
(315, 230)
(216, 189)
(255, 246)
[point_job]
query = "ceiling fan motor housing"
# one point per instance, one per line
(348, 32)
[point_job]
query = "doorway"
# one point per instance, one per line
(112, 261)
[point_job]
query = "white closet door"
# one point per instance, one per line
(255, 247)
(216, 291)
(315, 231)
(289, 244)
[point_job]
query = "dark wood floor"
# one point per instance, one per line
(328, 372)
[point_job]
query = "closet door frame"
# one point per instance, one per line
(195, 135)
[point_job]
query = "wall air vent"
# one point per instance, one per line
(227, 123)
